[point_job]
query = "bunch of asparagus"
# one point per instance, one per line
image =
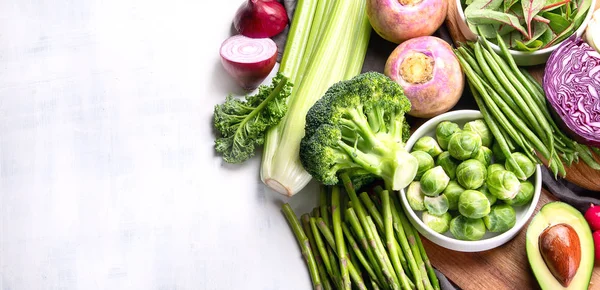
(361, 242)
(514, 106)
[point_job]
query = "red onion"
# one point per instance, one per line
(260, 18)
(248, 60)
(592, 216)
(572, 86)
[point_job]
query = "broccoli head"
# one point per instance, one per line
(358, 127)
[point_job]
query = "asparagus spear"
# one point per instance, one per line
(339, 237)
(390, 240)
(304, 245)
(323, 250)
(305, 218)
(359, 255)
(324, 207)
(432, 277)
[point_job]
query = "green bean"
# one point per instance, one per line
(470, 59)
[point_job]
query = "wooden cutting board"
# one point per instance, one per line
(579, 174)
(505, 267)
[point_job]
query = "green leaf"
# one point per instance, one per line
(486, 30)
(553, 4)
(483, 4)
(561, 36)
(557, 22)
(582, 9)
(482, 16)
(546, 36)
(243, 123)
(532, 46)
(538, 30)
(511, 39)
(530, 9)
(508, 4)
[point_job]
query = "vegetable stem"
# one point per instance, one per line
(339, 236)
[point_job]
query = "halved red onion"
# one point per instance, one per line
(248, 60)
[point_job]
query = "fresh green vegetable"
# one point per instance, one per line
(425, 162)
(526, 25)
(503, 184)
(484, 155)
(448, 163)
(452, 193)
(444, 131)
(434, 181)
(464, 145)
(243, 123)
(494, 167)
(491, 198)
(471, 174)
(464, 228)
(415, 196)
(473, 204)
(524, 163)
(427, 144)
(304, 243)
(502, 217)
(437, 205)
(480, 127)
(338, 55)
(524, 196)
(358, 126)
(440, 224)
(497, 153)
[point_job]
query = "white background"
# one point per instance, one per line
(108, 178)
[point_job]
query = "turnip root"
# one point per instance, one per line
(430, 74)
(400, 20)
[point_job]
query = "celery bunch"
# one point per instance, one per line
(326, 44)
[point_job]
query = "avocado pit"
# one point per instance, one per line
(560, 248)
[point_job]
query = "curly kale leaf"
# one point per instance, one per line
(243, 123)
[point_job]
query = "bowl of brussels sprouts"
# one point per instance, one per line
(467, 196)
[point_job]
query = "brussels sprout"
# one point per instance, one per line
(429, 145)
(494, 167)
(415, 196)
(425, 162)
(436, 205)
(492, 198)
(448, 163)
(473, 204)
(502, 217)
(452, 192)
(464, 145)
(434, 181)
(480, 127)
(443, 131)
(484, 155)
(524, 163)
(438, 223)
(464, 228)
(497, 152)
(503, 184)
(524, 196)
(471, 174)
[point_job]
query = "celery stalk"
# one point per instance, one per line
(338, 55)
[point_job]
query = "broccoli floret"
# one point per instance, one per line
(358, 127)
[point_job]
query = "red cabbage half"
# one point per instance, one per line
(572, 86)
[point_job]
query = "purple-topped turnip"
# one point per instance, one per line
(430, 74)
(400, 20)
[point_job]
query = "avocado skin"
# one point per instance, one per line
(555, 213)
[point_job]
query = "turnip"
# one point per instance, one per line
(400, 20)
(430, 74)
(248, 60)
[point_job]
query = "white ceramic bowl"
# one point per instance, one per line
(522, 58)
(490, 240)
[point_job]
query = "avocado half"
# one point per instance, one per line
(556, 213)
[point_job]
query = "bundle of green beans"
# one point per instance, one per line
(513, 105)
(366, 242)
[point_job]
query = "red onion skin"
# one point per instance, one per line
(572, 86)
(592, 216)
(439, 94)
(260, 18)
(596, 236)
(249, 75)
